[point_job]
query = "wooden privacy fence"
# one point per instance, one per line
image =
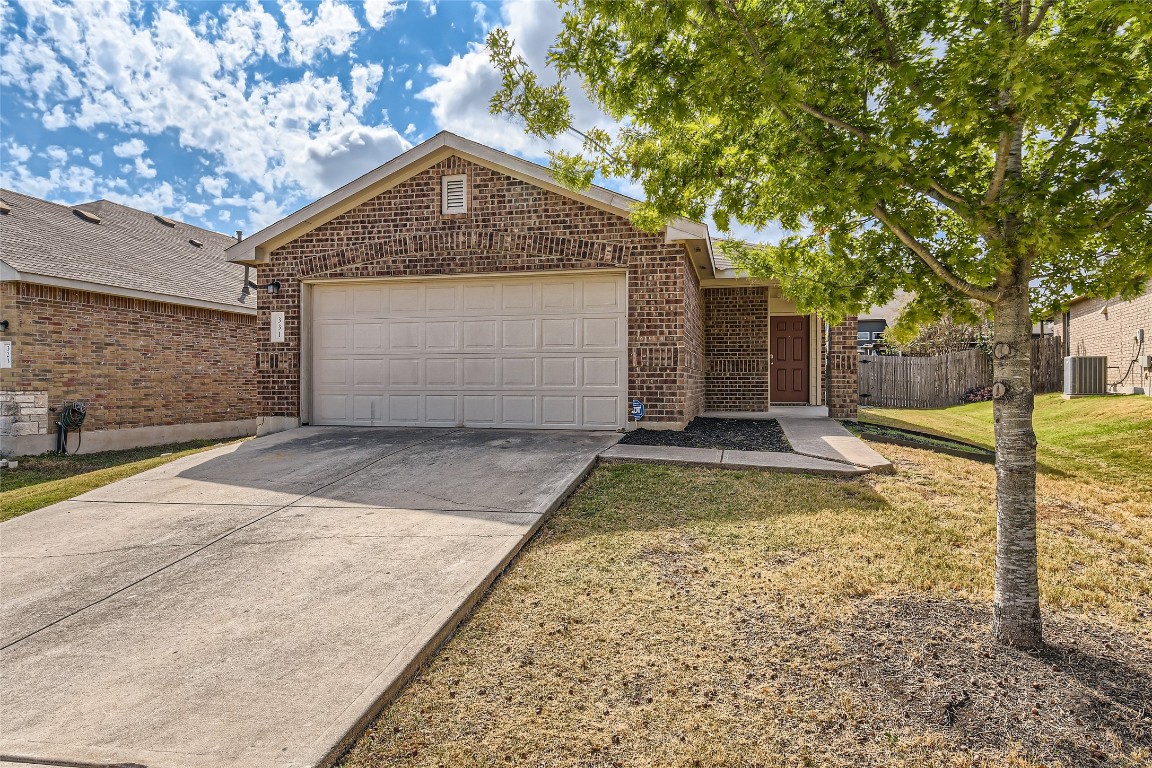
(937, 382)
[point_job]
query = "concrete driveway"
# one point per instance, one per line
(251, 605)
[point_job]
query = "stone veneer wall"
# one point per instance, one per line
(23, 413)
(137, 363)
(511, 226)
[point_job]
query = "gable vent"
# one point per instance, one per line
(88, 216)
(455, 194)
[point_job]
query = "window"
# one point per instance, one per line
(877, 335)
(455, 194)
(863, 336)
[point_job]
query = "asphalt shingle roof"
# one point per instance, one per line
(128, 249)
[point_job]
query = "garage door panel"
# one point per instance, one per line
(480, 410)
(602, 332)
(404, 300)
(479, 335)
(519, 334)
(518, 297)
(403, 409)
(442, 372)
(480, 372)
(367, 372)
(518, 372)
(518, 410)
(443, 298)
(601, 411)
(558, 333)
(442, 335)
(404, 336)
(514, 351)
(442, 410)
(404, 371)
(601, 372)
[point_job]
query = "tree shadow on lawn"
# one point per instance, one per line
(890, 421)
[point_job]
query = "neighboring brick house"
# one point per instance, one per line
(137, 315)
(1121, 331)
(458, 285)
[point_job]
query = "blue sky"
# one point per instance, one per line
(229, 115)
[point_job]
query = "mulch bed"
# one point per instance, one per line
(719, 434)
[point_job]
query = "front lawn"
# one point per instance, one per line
(42, 480)
(692, 617)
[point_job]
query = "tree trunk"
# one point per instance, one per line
(1016, 603)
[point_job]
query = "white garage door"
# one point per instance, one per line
(534, 351)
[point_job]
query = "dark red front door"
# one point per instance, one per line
(790, 359)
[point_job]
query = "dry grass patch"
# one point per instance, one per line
(670, 617)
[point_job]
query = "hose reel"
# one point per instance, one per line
(71, 420)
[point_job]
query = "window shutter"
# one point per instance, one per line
(455, 194)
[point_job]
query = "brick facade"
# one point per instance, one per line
(137, 363)
(510, 226)
(1093, 331)
(737, 350)
(738, 353)
(844, 378)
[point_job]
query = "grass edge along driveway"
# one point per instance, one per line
(44, 480)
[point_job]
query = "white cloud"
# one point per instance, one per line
(16, 152)
(365, 81)
(332, 29)
(340, 157)
(224, 215)
(58, 155)
(380, 12)
(411, 129)
(408, 84)
(196, 81)
(130, 148)
(429, 7)
(96, 159)
(144, 168)
(213, 185)
(463, 87)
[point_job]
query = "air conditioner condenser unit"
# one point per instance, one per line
(1085, 376)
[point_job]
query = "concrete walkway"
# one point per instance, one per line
(252, 605)
(822, 447)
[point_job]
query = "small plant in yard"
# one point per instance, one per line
(964, 151)
(977, 394)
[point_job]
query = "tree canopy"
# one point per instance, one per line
(924, 145)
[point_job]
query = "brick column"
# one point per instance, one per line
(844, 395)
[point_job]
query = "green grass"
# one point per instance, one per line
(1103, 439)
(42, 480)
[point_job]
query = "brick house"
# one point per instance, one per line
(1120, 330)
(138, 315)
(457, 285)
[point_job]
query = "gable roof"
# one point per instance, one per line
(110, 248)
(256, 248)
